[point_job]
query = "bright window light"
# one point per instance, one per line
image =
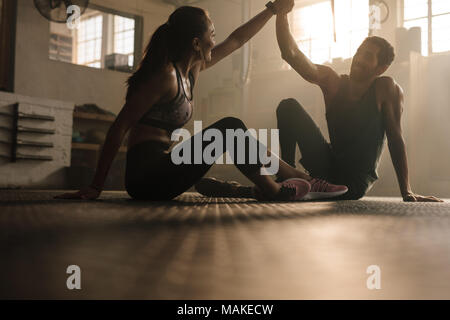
(89, 41)
(313, 29)
(441, 34)
(416, 14)
(124, 37)
(99, 36)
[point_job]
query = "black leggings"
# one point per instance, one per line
(151, 174)
(297, 128)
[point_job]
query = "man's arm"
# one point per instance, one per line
(321, 75)
(392, 109)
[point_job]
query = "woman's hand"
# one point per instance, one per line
(88, 193)
(283, 6)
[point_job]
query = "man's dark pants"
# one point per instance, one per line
(297, 128)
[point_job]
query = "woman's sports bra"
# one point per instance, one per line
(173, 114)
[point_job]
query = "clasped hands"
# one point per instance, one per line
(283, 6)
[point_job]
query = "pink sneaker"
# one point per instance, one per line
(321, 189)
(294, 189)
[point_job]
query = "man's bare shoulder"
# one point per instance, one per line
(328, 81)
(387, 86)
(388, 91)
(328, 72)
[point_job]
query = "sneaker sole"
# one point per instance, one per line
(323, 195)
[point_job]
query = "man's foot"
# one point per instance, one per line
(212, 187)
(321, 189)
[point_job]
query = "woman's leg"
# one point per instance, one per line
(185, 175)
(163, 179)
(286, 171)
(266, 183)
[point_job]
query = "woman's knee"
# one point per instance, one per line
(231, 123)
(287, 106)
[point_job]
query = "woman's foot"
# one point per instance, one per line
(290, 190)
(322, 189)
(294, 189)
(319, 189)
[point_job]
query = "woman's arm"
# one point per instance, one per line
(113, 141)
(149, 94)
(246, 31)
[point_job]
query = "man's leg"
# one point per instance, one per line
(297, 128)
(358, 184)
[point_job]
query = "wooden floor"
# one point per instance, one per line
(213, 248)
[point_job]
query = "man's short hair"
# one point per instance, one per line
(386, 54)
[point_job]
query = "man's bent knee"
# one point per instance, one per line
(286, 106)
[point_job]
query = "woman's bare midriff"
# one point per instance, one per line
(143, 133)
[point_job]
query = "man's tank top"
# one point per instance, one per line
(357, 132)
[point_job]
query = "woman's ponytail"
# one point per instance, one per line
(156, 55)
(170, 42)
(157, 51)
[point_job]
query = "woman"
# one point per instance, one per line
(159, 100)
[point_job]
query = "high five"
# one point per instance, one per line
(160, 100)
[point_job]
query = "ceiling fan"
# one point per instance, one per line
(56, 10)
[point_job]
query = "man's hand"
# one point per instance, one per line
(87, 193)
(412, 197)
(283, 6)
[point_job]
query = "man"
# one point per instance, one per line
(362, 108)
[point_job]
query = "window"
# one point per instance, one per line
(314, 32)
(433, 17)
(124, 37)
(89, 41)
(103, 39)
